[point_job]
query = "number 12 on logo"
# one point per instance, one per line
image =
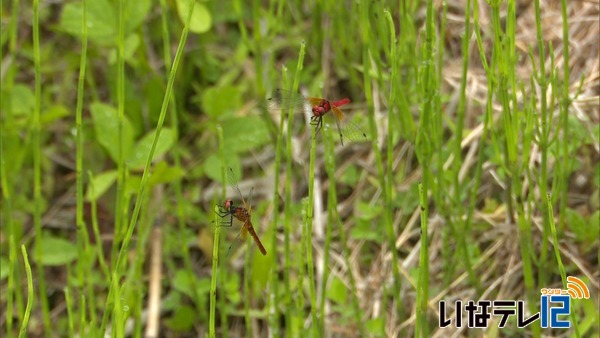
(551, 313)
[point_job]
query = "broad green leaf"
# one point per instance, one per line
(244, 133)
(594, 226)
(171, 301)
(106, 128)
(3, 267)
(364, 230)
(232, 289)
(182, 282)
(141, 151)
(135, 12)
(373, 326)
(163, 173)
(132, 42)
(368, 212)
(221, 101)
(154, 92)
(261, 264)
(101, 19)
(577, 223)
(22, 100)
(53, 113)
(100, 183)
(132, 186)
(183, 319)
(57, 251)
(350, 176)
(201, 19)
(337, 291)
(212, 167)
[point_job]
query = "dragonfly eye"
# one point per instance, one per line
(228, 204)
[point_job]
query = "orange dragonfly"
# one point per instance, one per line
(241, 213)
(283, 99)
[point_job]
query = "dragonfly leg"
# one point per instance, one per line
(223, 214)
(317, 121)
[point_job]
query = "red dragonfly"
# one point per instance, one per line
(283, 99)
(242, 213)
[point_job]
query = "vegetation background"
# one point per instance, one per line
(480, 179)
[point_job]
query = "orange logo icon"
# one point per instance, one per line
(577, 289)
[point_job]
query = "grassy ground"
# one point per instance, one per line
(480, 178)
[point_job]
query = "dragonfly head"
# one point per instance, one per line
(320, 109)
(229, 205)
(317, 110)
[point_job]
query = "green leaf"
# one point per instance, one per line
(350, 176)
(53, 113)
(368, 212)
(132, 186)
(577, 223)
(163, 173)
(244, 133)
(100, 183)
(183, 319)
(363, 230)
(22, 100)
(132, 42)
(594, 227)
(212, 167)
(221, 101)
(101, 19)
(232, 289)
(135, 12)
(171, 301)
(373, 326)
(106, 128)
(183, 283)
(141, 151)
(3, 267)
(337, 291)
(57, 251)
(201, 19)
(261, 264)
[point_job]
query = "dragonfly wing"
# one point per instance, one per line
(281, 100)
(244, 232)
(234, 183)
(347, 129)
(314, 100)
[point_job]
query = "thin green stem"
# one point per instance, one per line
(333, 217)
(69, 304)
(564, 116)
(30, 295)
(287, 216)
(7, 136)
(387, 180)
(121, 176)
(222, 272)
(561, 267)
(83, 240)
(145, 176)
(37, 170)
(214, 274)
(543, 142)
(423, 284)
(307, 240)
(247, 292)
